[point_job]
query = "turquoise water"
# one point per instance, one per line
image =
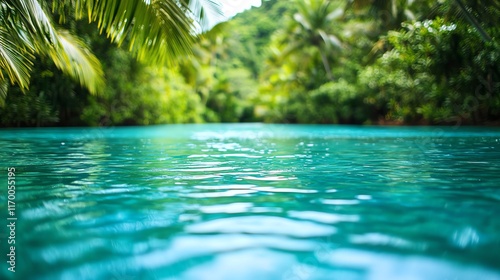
(253, 202)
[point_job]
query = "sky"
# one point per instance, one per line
(232, 7)
(229, 8)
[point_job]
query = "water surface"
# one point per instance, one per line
(254, 202)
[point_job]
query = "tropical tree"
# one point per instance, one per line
(313, 26)
(307, 40)
(389, 13)
(221, 84)
(435, 72)
(156, 30)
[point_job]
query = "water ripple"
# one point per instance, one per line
(255, 202)
(321, 217)
(262, 225)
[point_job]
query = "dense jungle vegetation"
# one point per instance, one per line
(300, 61)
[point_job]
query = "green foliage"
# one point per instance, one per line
(300, 60)
(157, 30)
(228, 100)
(26, 29)
(313, 26)
(140, 95)
(388, 14)
(431, 71)
(333, 102)
(304, 61)
(252, 31)
(28, 109)
(437, 72)
(52, 99)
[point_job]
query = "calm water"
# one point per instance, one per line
(253, 202)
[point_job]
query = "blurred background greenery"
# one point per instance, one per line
(300, 61)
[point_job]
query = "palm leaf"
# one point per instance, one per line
(153, 30)
(32, 31)
(34, 21)
(14, 61)
(202, 10)
(329, 39)
(74, 58)
(302, 20)
(4, 87)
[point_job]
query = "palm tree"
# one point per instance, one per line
(390, 13)
(155, 30)
(313, 27)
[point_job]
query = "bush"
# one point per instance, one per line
(436, 72)
(333, 102)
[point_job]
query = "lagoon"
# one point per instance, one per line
(253, 201)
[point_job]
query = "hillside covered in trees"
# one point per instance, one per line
(301, 61)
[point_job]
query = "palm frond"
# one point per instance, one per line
(203, 10)
(31, 31)
(335, 14)
(153, 30)
(16, 62)
(75, 59)
(302, 21)
(34, 21)
(214, 32)
(329, 39)
(4, 87)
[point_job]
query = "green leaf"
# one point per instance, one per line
(27, 29)
(15, 61)
(74, 58)
(153, 30)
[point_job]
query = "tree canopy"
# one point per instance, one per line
(300, 61)
(155, 30)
